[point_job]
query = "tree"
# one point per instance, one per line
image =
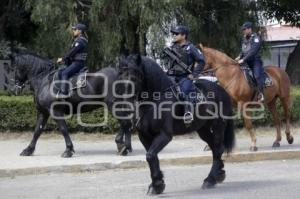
(289, 12)
(15, 25)
(121, 26)
(137, 26)
(53, 18)
(214, 24)
(115, 26)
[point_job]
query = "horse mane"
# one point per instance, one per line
(33, 62)
(217, 55)
(155, 75)
(155, 78)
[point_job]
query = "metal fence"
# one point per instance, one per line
(6, 74)
(279, 54)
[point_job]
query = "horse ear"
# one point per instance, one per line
(139, 59)
(12, 56)
(200, 45)
(118, 61)
(121, 57)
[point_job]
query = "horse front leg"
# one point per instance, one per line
(42, 119)
(127, 128)
(286, 107)
(125, 131)
(159, 142)
(119, 139)
(276, 118)
(214, 140)
(64, 130)
(249, 127)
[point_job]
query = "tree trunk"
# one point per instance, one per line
(293, 65)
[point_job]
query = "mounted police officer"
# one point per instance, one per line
(74, 58)
(194, 62)
(250, 54)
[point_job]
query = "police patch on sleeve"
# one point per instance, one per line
(199, 51)
(256, 40)
(76, 44)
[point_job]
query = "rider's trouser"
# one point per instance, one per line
(258, 71)
(67, 72)
(187, 88)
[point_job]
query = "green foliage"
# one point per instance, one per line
(18, 114)
(54, 18)
(121, 26)
(4, 49)
(282, 10)
(268, 120)
(15, 23)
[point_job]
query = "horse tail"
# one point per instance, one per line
(229, 136)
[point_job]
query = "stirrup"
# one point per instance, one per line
(188, 117)
(60, 95)
(260, 97)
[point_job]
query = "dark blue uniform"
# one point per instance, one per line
(75, 58)
(193, 58)
(250, 53)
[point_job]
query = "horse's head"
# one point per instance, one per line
(209, 57)
(215, 58)
(131, 74)
(28, 66)
(21, 70)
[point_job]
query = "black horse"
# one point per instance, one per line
(158, 117)
(40, 72)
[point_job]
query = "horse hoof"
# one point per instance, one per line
(253, 148)
(119, 147)
(27, 152)
(123, 151)
(208, 185)
(276, 145)
(67, 154)
(129, 149)
(221, 177)
(156, 188)
(290, 140)
(206, 148)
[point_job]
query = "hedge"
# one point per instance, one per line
(17, 113)
(268, 120)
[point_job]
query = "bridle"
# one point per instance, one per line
(211, 69)
(218, 68)
(15, 86)
(135, 121)
(18, 86)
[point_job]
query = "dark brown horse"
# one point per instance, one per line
(231, 77)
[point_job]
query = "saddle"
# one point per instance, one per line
(251, 79)
(78, 80)
(196, 97)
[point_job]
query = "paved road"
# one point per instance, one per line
(98, 151)
(267, 179)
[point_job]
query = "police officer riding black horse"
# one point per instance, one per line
(250, 55)
(74, 58)
(193, 63)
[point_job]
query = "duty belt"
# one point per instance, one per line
(80, 56)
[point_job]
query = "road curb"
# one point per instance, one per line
(135, 164)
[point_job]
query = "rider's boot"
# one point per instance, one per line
(64, 89)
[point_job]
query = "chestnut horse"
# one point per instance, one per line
(231, 77)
